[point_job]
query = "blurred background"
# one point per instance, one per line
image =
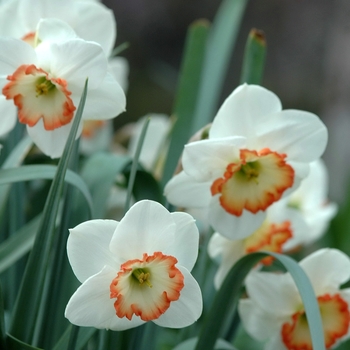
(307, 64)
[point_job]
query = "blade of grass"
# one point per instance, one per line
(254, 58)
(230, 292)
(134, 165)
(28, 300)
(187, 93)
(221, 42)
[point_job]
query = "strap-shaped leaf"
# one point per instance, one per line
(228, 296)
(27, 305)
(187, 94)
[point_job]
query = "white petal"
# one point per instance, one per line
(10, 14)
(242, 113)
(187, 309)
(183, 191)
(299, 134)
(207, 159)
(185, 244)
(52, 142)
(119, 68)
(274, 293)
(147, 227)
(53, 29)
(91, 306)
(327, 269)
(231, 226)
(75, 60)
(258, 323)
(106, 101)
(8, 112)
(88, 247)
(96, 23)
(275, 343)
(13, 54)
(34, 10)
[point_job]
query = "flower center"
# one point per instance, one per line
(128, 287)
(44, 86)
(254, 182)
(269, 237)
(335, 319)
(39, 96)
(142, 276)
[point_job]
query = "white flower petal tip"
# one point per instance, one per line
(142, 269)
(256, 154)
(275, 298)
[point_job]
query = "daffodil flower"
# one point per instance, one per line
(45, 84)
(282, 228)
(89, 19)
(275, 313)
(136, 270)
(310, 201)
(255, 155)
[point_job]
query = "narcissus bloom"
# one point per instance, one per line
(310, 202)
(255, 155)
(282, 228)
(45, 84)
(90, 20)
(274, 311)
(135, 270)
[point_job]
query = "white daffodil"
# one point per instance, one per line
(310, 201)
(135, 270)
(256, 154)
(275, 313)
(45, 84)
(282, 226)
(90, 19)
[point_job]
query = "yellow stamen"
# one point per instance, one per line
(142, 276)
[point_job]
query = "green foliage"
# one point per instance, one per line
(227, 298)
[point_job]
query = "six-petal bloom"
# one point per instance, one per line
(256, 154)
(135, 270)
(45, 84)
(274, 311)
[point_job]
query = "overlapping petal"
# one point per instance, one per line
(88, 247)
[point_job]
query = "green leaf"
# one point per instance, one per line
(18, 244)
(230, 292)
(190, 344)
(28, 300)
(2, 322)
(134, 164)
(100, 172)
(221, 42)
(13, 160)
(85, 333)
(254, 58)
(186, 97)
(16, 344)
(37, 172)
(145, 185)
